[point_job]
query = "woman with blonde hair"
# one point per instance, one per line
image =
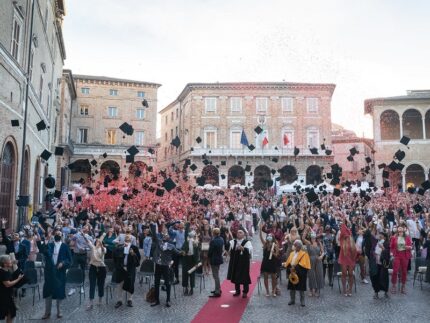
(347, 256)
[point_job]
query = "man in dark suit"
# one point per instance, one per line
(58, 259)
(14, 244)
(216, 248)
(126, 258)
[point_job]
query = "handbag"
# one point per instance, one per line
(205, 246)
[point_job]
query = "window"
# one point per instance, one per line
(82, 136)
(85, 90)
(165, 136)
(176, 130)
(138, 139)
(140, 94)
(111, 137)
(235, 136)
(171, 116)
(313, 138)
(287, 138)
(177, 113)
(83, 110)
(210, 139)
(236, 104)
(16, 37)
(165, 119)
(312, 104)
(171, 134)
(261, 104)
(210, 104)
(287, 104)
(140, 113)
(112, 112)
(113, 92)
(41, 88)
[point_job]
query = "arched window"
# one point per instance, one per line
(412, 124)
(390, 125)
(211, 173)
(415, 175)
(313, 175)
(288, 174)
(236, 175)
(427, 124)
(8, 162)
(262, 178)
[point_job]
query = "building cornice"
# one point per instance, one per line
(114, 81)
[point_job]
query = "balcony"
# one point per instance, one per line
(257, 152)
(111, 150)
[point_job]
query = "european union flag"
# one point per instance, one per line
(243, 139)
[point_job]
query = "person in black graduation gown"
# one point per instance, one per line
(7, 284)
(239, 265)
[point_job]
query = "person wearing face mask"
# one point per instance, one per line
(191, 255)
(269, 265)
(400, 248)
(58, 259)
(379, 262)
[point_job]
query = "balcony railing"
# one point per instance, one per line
(116, 150)
(198, 151)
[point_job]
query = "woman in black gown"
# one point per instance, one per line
(7, 305)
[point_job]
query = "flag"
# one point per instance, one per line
(265, 141)
(286, 140)
(243, 139)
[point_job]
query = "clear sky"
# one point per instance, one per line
(368, 48)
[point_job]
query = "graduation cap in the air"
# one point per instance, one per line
(129, 159)
(45, 155)
(57, 194)
(411, 189)
(127, 128)
(223, 162)
(90, 190)
(198, 140)
(405, 140)
(78, 199)
(125, 197)
(296, 151)
(385, 174)
(59, 151)
(275, 159)
(336, 192)
(251, 147)
(205, 161)
(145, 103)
(323, 147)
(193, 167)
(176, 142)
(113, 191)
(149, 168)
(247, 168)
(314, 151)
(81, 181)
(239, 162)
(104, 155)
(14, 123)
(393, 166)
(201, 181)
(273, 171)
(70, 197)
(133, 150)
(399, 155)
(49, 182)
(386, 184)
(400, 166)
(425, 185)
(151, 151)
(368, 160)
(169, 184)
(383, 165)
(204, 202)
(222, 176)
(311, 196)
(418, 208)
(328, 152)
(350, 158)
(421, 191)
(93, 162)
(353, 151)
(41, 125)
(159, 192)
(258, 130)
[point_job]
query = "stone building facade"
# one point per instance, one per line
(393, 118)
(289, 114)
(103, 104)
(36, 48)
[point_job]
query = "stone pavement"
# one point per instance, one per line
(330, 306)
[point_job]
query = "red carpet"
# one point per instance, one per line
(227, 309)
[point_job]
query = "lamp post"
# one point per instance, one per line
(21, 207)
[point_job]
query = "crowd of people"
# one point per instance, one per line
(185, 231)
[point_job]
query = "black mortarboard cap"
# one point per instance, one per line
(135, 191)
(129, 159)
(353, 151)
(222, 176)
(314, 151)
(125, 197)
(57, 194)
(45, 155)
(149, 168)
(198, 140)
(336, 192)
(90, 190)
(251, 147)
(152, 189)
(49, 182)
(383, 165)
(417, 208)
(411, 189)
(400, 166)
(328, 152)
(421, 191)
(133, 150)
(393, 166)
(201, 180)
(113, 191)
(368, 160)
(41, 125)
(104, 155)
(137, 173)
(329, 175)
(169, 185)
(205, 161)
(335, 181)
(275, 159)
(322, 147)
(312, 196)
(385, 174)
(296, 151)
(70, 197)
(193, 167)
(350, 158)
(386, 184)
(93, 162)
(151, 151)
(126, 128)
(425, 185)
(81, 181)
(160, 192)
(258, 130)
(405, 140)
(145, 103)
(239, 162)
(204, 202)
(223, 163)
(400, 155)
(78, 198)
(15, 123)
(176, 142)
(247, 168)
(273, 171)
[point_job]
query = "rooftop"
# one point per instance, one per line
(111, 79)
(411, 95)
